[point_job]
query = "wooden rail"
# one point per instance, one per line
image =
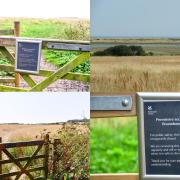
(25, 169)
(7, 32)
(124, 176)
(70, 45)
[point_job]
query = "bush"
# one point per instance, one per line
(72, 152)
(122, 50)
(79, 31)
(137, 50)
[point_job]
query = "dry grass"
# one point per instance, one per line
(11, 133)
(132, 74)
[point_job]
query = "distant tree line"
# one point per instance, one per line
(123, 50)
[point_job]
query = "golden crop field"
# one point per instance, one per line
(135, 73)
(19, 132)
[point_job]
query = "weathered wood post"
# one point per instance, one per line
(17, 34)
(0, 156)
(46, 140)
(55, 157)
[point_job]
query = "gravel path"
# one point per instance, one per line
(59, 85)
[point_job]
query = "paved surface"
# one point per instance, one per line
(60, 85)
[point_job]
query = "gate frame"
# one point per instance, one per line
(16, 32)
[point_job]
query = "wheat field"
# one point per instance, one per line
(133, 74)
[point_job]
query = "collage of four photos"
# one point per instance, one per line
(89, 90)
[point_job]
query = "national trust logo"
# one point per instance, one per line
(150, 108)
(151, 111)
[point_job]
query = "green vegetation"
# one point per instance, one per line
(63, 29)
(50, 28)
(72, 152)
(60, 58)
(4, 61)
(123, 50)
(113, 145)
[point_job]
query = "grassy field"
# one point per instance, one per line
(73, 151)
(62, 28)
(113, 145)
(133, 74)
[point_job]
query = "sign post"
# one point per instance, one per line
(17, 34)
(159, 135)
(28, 56)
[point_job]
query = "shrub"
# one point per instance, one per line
(79, 31)
(122, 50)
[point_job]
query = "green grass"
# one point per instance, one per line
(53, 29)
(50, 28)
(113, 145)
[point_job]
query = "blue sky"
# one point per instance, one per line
(45, 8)
(151, 18)
(43, 107)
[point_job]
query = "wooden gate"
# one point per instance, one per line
(25, 169)
(16, 32)
(127, 107)
(50, 76)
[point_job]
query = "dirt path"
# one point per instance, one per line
(60, 85)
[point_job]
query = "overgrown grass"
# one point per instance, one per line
(113, 145)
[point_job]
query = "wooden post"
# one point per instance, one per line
(55, 157)
(17, 28)
(0, 156)
(46, 140)
(17, 34)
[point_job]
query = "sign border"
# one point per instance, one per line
(150, 97)
(39, 55)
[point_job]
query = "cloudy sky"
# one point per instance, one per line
(43, 107)
(45, 8)
(157, 18)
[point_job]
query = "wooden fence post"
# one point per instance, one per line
(17, 28)
(46, 139)
(0, 156)
(55, 157)
(17, 34)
